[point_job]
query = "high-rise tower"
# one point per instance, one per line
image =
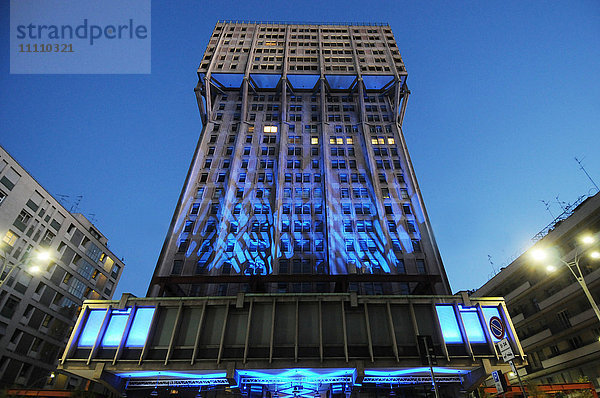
(301, 183)
(301, 180)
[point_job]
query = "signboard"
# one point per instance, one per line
(497, 327)
(499, 381)
(506, 350)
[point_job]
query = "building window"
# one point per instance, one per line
(416, 244)
(10, 238)
(177, 267)
(421, 267)
(400, 268)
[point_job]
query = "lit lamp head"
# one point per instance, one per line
(595, 254)
(539, 254)
(34, 269)
(43, 255)
(587, 239)
(550, 268)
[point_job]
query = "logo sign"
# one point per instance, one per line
(506, 350)
(80, 36)
(497, 327)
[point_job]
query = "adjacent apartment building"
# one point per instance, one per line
(51, 260)
(554, 319)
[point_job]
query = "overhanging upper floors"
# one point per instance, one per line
(231, 340)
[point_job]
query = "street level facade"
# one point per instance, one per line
(51, 261)
(300, 260)
(554, 319)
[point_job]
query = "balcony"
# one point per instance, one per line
(582, 317)
(569, 290)
(571, 355)
(518, 318)
(536, 338)
(518, 291)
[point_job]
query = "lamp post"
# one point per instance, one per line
(40, 256)
(573, 266)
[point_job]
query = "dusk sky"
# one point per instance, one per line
(504, 95)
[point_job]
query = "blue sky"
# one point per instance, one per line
(504, 95)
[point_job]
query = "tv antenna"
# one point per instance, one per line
(586, 173)
(76, 203)
(492, 264)
(547, 204)
(63, 199)
(92, 217)
(563, 205)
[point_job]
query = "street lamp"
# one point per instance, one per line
(40, 257)
(573, 266)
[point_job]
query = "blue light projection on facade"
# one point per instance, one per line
(138, 333)
(449, 324)
(90, 331)
(472, 324)
(116, 327)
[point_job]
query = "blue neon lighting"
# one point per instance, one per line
(138, 332)
(405, 372)
(473, 326)
(116, 327)
(449, 324)
(154, 374)
(91, 328)
(488, 313)
(297, 373)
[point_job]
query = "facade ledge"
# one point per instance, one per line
(571, 355)
(572, 288)
(517, 292)
(536, 338)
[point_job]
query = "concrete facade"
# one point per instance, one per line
(301, 180)
(553, 318)
(40, 299)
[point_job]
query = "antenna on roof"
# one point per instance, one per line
(563, 205)
(63, 199)
(586, 173)
(92, 217)
(75, 206)
(492, 264)
(547, 204)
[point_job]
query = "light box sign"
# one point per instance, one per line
(473, 320)
(116, 324)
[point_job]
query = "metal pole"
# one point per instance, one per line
(435, 388)
(514, 368)
(579, 276)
